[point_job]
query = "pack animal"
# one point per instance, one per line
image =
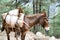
(31, 20)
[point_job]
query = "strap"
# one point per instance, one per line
(25, 22)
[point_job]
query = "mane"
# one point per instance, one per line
(34, 15)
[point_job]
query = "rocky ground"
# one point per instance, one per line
(29, 36)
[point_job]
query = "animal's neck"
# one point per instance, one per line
(35, 20)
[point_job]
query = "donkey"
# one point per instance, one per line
(31, 20)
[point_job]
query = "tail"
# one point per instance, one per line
(3, 16)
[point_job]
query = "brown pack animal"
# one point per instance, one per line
(29, 21)
(32, 20)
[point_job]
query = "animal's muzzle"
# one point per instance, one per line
(47, 28)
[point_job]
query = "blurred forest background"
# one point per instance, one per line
(30, 7)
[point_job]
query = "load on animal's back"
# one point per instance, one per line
(9, 21)
(12, 17)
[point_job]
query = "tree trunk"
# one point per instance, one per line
(17, 3)
(40, 6)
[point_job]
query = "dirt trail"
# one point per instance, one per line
(29, 36)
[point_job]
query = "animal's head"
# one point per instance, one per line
(44, 22)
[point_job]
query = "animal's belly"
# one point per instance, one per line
(11, 20)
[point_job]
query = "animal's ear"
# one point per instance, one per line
(44, 12)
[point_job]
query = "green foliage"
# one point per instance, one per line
(56, 25)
